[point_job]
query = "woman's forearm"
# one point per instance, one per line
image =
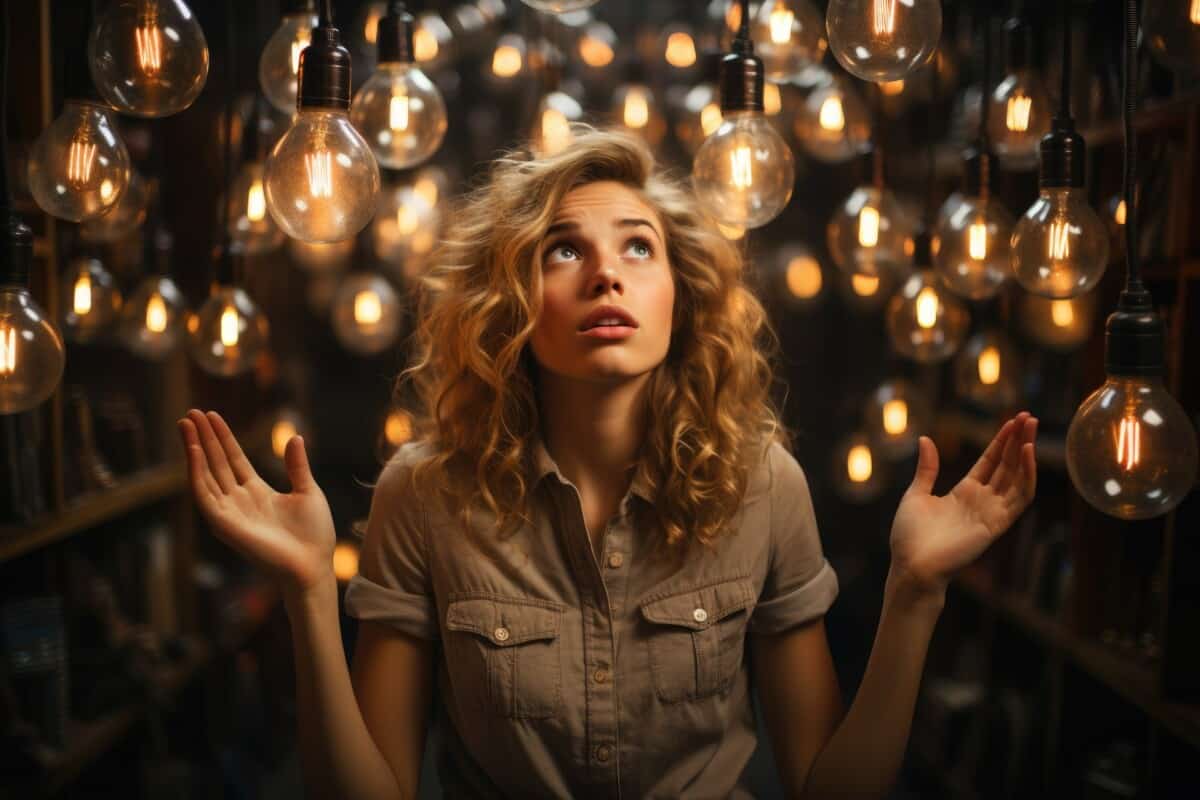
(339, 757)
(864, 755)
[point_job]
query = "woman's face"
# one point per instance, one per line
(604, 247)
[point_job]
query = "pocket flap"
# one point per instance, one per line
(503, 622)
(699, 607)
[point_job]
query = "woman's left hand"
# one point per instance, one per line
(933, 537)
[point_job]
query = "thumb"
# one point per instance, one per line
(927, 466)
(296, 460)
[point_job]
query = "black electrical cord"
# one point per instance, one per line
(1129, 92)
(326, 20)
(984, 85)
(742, 42)
(6, 201)
(931, 148)
(1064, 100)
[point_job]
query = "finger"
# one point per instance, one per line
(986, 465)
(927, 467)
(296, 460)
(217, 463)
(242, 470)
(204, 486)
(1029, 470)
(1009, 464)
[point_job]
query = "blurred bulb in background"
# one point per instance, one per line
(677, 47)
(125, 216)
(228, 333)
(635, 110)
(78, 168)
(551, 131)
(789, 36)
(397, 428)
(797, 279)
(151, 324)
(508, 62)
(559, 6)
(869, 232)
(249, 223)
(883, 40)
(1060, 246)
(866, 293)
(279, 64)
(596, 49)
(318, 258)
(896, 415)
(32, 355)
(1172, 30)
(366, 313)
(972, 247)
(345, 560)
(858, 475)
(833, 125)
(987, 372)
(405, 228)
(925, 322)
(90, 301)
(285, 423)
(744, 172)
(1058, 324)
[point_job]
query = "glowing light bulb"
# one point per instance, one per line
(122, 218)
(832, 124)
(744, 173)
(151, 319)
(228, 333)
(1060, 246)
(249, 223)
(1171, 28)
(1119, 213)
(883, 40)
(804, 277)
(635, 110)
(1019, 117)
(148, 58)
(508, 57)
(78, 167)
(345, 560)
(398, 427)
(789, 36)
(987, 372)
(924, 321)
(680, 49)
(321, 258)
(91, 300)
(858, 463)
(1058, 324)
(366, 313)
(552, 124)
(865, 285)
(31, 351)
(559, 6)
(279, 64)
(927, 307)
(832, 116)
(858, 474)
(281, 433)
(973, 247)
(989, 365)
(868, 232)
(597, 45)
(401, 113)
(896, 415)
(405, 226)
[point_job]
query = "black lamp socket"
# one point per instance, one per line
(324, 72)
(1135, 337)
(16, 255)
(395, 35)
(741, 82)
(1064, 157)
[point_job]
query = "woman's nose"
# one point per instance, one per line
(605, 278)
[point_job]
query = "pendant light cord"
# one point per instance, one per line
(326, 20)
(984, 87)
(6, 200)
(1064, 99)
(1129, 90)
(742, 42)
(931, 148)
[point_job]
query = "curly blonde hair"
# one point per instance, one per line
(473, 376)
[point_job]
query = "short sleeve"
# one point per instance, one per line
(800, 585)
(393, 585)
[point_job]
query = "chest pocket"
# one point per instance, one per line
(505, 655)
(696, 638)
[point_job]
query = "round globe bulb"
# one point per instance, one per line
(1018, 118)
(90, 300)
(870, 233)
(635, 110)
(405, 228)
(1058, 324)
(31, 352)
(279, 64)
(1172, 29)
(148, 58)
(152, 318)
(228, 333)
(699, 116)
(987, 372)
(125, 216)
(797, 277)
(79, 167)
(1131, 449)
(250, 226)
(858, 470)
(924, 321)
(366, 314)
(551, 132)
(883, 40)
(896, 415)
(833, 125)
(1060, 247)
(401, 114)
(743, 174)
(789, 37)
(322, 181)
(972, 247)
(866, 293)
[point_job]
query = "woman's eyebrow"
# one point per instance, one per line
(637, 222)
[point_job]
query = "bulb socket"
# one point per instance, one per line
(324, 72)
(923, 249)
(290, 7)
(741, 82)
(1064, 157)
(1018, 44)
(977, 168)
(1135, 336)
(16, 252)
(395, 35)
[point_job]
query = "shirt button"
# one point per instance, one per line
(501, 634)
(700, 615)
(615, 560)
(600, 676)
(603, 753)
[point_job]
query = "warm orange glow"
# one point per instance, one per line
(398, 112)
(883, 20)
(8, 349)
(892, 88)
(320, 173)
(148, 41)
(832, 116)
(595, 52)
(506, 61)
(977, 244)
(106, 190)
(1119, 215)
(371, 28)
(772, 99)
(711, 118)
(156, 314)
(781, 23)
(345, 560)
(82, 294)
(256, 202)
(741, 167)
(398, 428)
(229, 327)
(81, 156)
(1062, 312)
(368, 309)
(864, 285)
(1194, 12)
(868, 226)
(301, 41)
(804, 277)
(858, 463)
(1129, 441)
(895, 416)
(681, 50)
(425, 44)
(556, 131)
(407, 220)
(731, 232)
(989, 366)
(636, 109)
(281, 433)
(1019, 107)
(927, 307)
(1059, 243)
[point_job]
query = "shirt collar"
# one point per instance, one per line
(544, 465)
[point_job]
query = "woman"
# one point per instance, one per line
(596, 519)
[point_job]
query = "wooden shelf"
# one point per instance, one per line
(1133, 681)
(94, 508)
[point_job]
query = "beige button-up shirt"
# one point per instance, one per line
(566, 671)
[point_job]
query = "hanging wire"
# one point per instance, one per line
(877, 129)
(1129, 92)
(226, 258)
(4, 187)
(931, 148)
(742, 43)
(1064, 100)
(326, 20)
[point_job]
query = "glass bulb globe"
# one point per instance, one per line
(366, 313)
(405, 228)
(789, 36)
(833, 125)
(924, 321)
(858, 474)
(1018, 118)
(125, 217)
(249, 223)
(1060, 247)
(896, 415)
(699, 116)
(987, 372)
(79, 167)
(319, 258)
(91, 300)
(1172, 29)
(797, 277)
(285, 423)
(228, 333)
(152, 318)
(870, 233)
(148, 58)
(31, 352)
(559, 6)
(509, 61)
(743, 174)
(866, 293)
(1058, 324)
(676, 47)
(279, 64)
(972, 247)
(551, 131)
(635, 110)
(322, 181)
(401, 114)
(433, 41)
(1131, 449)
(883, 40)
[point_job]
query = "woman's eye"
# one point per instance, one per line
(641, 249)
(569, 251)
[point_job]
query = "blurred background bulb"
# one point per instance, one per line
(152, 318)
(404, 230)
(1018, 118)
(433, 40)
(285, 423)
(789, 36)
(987, 372)
(279, 64)
(1057, 324)
(559, 6)
(866, 293)
(896, 415)
(883, 40)
(79, 167)
(366, 313)
(148, 58)
(249, 223)
(635, 110)
(596, 46)
(401, 114)
(972, 247)
(677, 47)
(1060, 246)
(397, 429)
(833, 125)
(125, 217)
(32, 355)
(797, 278)
(321, 258)
(744, 172)
(322, 181)
(551, 131)
(1172, 29)
(857, 469)
(91, 300)
(1131, 449)
(509, 60)
(228, 333)
(870, 233)
(924, 321)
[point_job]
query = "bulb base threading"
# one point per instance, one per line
(324, 72)
(395, 35)
(741, 82)
(16, 252)
(1064, 157)
(1135, 336)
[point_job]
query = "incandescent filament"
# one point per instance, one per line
(82, 295)
(1019, 107)
(832, 116)
(398, 112)
(742, 166)
(80, 158)
(320, 173)
(858, 463)
(989, 366)
(781, 23)
(298, 44)
(895, 416)
(927, 307)
(229, 327)
(156, 314)
(1059, 240)
(147, 39)
(256, 202)
(8, 349)
(1128, 435)
(367, 308)
(868, 226)
(883, 20)
(977, 241)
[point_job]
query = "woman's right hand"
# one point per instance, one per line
(291, 536)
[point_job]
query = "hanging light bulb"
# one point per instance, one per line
(322, 182)
(797, 277)
(987, 372)
(1020, 111)
(319, 258)
(972, 244)
(398, 110)
(596, 47)
(79, 167)
(552, 124)
(433, 41)
(148, 57)
(228, 333)
(397, 428)
(857, 469)
(366, 314)
(1058, 324)
(744, 172)
(283, 423)
(91, 300)
(1172, 30)
(833, 125)
(677, 48)
(404, 230)
(559, 6)
(508, 62)
(635, 108)
(125, 216)
(924, 321)
(869, 232)
(896, 415)
(250, 225)
(866, 293)
(789, 36)
(883, 40)
(699, 112)
(279, 64)
(151, 323)
(32, 355)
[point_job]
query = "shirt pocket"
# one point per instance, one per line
(696, 638)
(505, 654)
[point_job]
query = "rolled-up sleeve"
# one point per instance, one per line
(800, 585)
(393, 584)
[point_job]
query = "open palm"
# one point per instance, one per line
(933, 537)
(289, 535)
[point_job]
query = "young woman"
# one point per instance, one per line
(598, 541)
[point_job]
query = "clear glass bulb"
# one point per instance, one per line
(870, 233)
(1172, 29)
(789, 36)
(279, 64)
(1060, 246)
(833, 125)
(321, 178)
(858, 470)
(285, 423)
(125, 217)
(597, 49)
(987, 372)
(366, 313)
(32, 355)
(677, 48)
(559, 6)
(798, 279)
(249, 223)
(508, 62)
(925, 322)
(405, 227)
(551, 131)
(152, 318)
(79, 167)
(401, 114)
(228, 333)
(319, 258)
(635, 110)
(1018, 118)
(90, 300)
(866, 293)
(1131, 449)
(972, 248)
(744, 173)
(883, 40)
(1058, 324)
(148, 58)
(699, 117)
(433, 41)
(896, 415)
